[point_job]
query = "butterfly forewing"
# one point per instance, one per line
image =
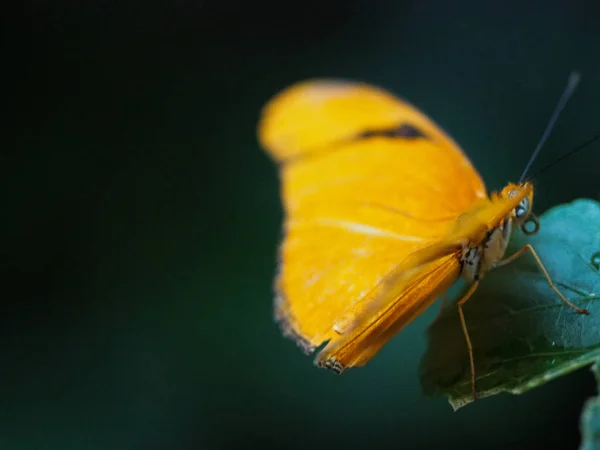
(367, 180)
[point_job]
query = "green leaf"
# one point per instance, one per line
(523, 334)
(590, 419)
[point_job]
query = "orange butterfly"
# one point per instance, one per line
(383, 213)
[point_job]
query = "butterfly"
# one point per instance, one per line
(383, 213)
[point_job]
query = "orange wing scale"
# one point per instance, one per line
(372, 190)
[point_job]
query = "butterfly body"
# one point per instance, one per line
(477, 260)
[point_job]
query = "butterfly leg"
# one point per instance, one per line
(541, 266)
(461, 302)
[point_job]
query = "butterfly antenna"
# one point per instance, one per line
(566, 155)
(572, 83)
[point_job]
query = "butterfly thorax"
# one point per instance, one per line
(477, 260)
(488, 238)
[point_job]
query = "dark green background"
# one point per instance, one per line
(140, 219)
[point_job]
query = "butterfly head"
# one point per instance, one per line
(521, 215)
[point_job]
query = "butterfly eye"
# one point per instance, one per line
(522, 208)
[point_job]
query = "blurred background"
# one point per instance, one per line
(140, 219)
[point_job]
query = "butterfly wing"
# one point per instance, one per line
(367, 181)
